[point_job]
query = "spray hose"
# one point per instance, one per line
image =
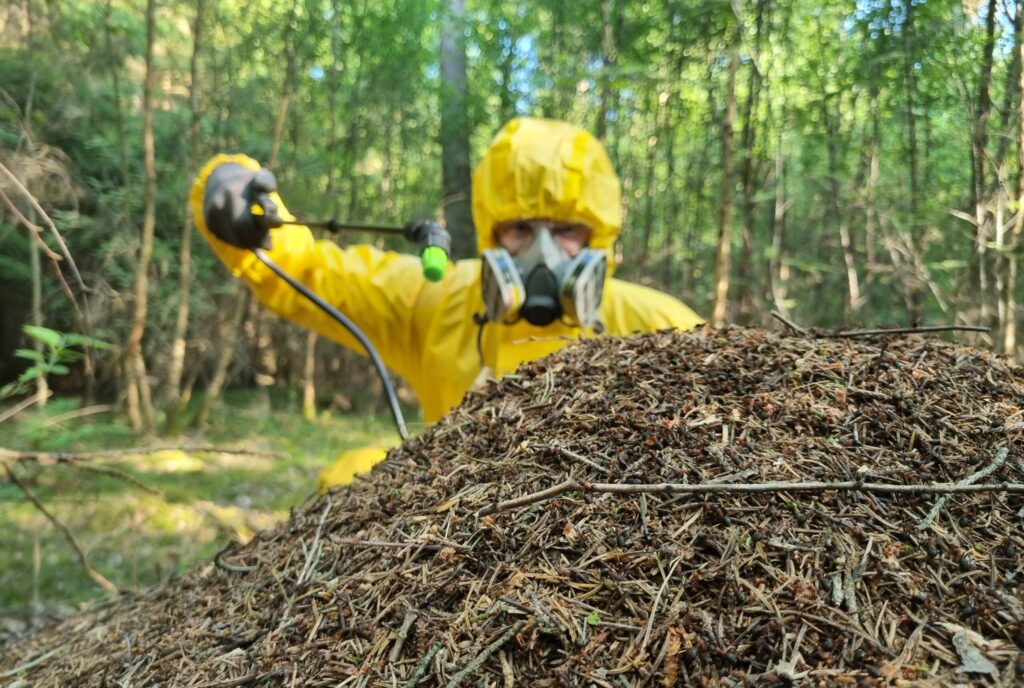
(436, 245)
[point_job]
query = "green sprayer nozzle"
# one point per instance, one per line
(434, 261)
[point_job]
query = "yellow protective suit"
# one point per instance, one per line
(425, 331)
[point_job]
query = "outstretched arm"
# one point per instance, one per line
(377, 290)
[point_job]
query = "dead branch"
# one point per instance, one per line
(21, 406)
(876, 331)
(35, 662)
(93, 573)
(34, 230)
(120, 475)
(997, 461)
(78, 413)
(53, 228)
(906, 330)
(421, 668)
(53, 458)
(426, 547)
(36, 233)
(477, 662)
(789, 323)
(249, 679)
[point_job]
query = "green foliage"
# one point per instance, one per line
(52, 360)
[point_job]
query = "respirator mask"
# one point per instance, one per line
(542, 283)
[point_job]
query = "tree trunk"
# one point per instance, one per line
(309, 379)
(142, 417)
(42, 389)
(354, 109)
(915, 290)
(506, 67)
(746, 295)
(778, 225)
(607, 65)
(266, 364)
(287, 86)
(178, 348)
(226, 338)
(455, 184)
(1009, 339)
(650, 183)
(871, 189)
(838, 217)
(978, 149)
(671, 203)
(332, 103)
(722, 258)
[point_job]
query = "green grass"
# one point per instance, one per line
(136, 539)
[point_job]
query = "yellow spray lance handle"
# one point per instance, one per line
(436, 243)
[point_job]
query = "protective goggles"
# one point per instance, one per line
(541, 282)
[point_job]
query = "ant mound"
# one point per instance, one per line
(712, 508)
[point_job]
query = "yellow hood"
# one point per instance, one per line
(542, 168)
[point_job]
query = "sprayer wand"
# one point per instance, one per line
(435, 244)
(434, 241)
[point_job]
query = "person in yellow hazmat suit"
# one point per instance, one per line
(546, 207)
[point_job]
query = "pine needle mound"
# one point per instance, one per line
(593, 520)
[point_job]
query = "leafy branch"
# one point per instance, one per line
(53, 360)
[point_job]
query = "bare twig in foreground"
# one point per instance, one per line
(53, 458)
(21, 406)
(93, 573)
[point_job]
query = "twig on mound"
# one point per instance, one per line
(403, 633)
(736, 488)
(35, 662)
(254, 677)
(566, 453)
(657, 602)
(426, 547)
(220, 563)
(789, 323)
(998, 460)
(552, 491)
(93, 573)
(314, 551)
(485, 653)
(905, 330)
(421, 668)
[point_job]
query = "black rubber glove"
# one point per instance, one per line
(231, 192)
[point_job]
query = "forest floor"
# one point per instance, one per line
(137, 539)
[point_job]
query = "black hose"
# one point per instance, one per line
(396, 411)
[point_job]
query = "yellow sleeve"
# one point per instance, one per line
(628, 308)
(377, 290)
